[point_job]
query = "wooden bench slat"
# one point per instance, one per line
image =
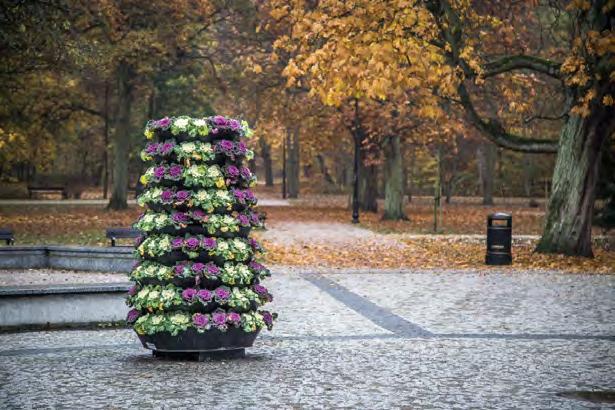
(7, 235)
(121, 233)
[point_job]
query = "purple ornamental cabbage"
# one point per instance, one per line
(243, 220)
(267, 318)
(233, 317)
(179, 269)
(241, 148)
(182, 195)
(159, 172)
(177, 243)
(180, 217)
(166, 148)
(163, 122)
(189, 294)
(219, 317)
(260, 290)
(220, 120)
(139, 239)
(225, 146)
(232, 170)
(255, 266)
(245, 172)
(133, 315)
(239, 195)
(205, 295)
(166, 196)
(209, 243)
(175, 171)
(152, 148)
(198, 267)
(255, 246)
(235, 125)
(132, 290)
(200, 320)
(212, 269)
(192, 243)
(256, 220)
(222, 293)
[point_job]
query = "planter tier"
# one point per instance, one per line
(192, 341)
(196, 229)
(237, 207)
(163, 135)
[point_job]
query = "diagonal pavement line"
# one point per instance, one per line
(377, 314)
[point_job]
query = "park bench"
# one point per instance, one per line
(121, 233)
(47, 189)
(7, 235)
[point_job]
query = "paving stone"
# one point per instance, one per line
(456, 302)
(352, 341)
(280, 373)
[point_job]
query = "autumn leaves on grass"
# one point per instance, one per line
(429, 253)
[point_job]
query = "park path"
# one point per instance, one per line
(348, 339)
(330, 233)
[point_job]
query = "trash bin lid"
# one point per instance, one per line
(502, 216)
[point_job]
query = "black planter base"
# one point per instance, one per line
(191, 342)
(201, 356)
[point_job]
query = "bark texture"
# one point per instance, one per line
(570, 210)
(393, 180)
(368, 185)
(267, 163)
(486, 157)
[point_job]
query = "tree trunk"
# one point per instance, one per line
(450, 180)
(106, 151)
(368, 185)
(528, 175)
(368, 179)
(411, 174)
(322, 165)
(293, 163)
(267, 163)
(486, 156)
(393, 179)
(570, 210)
(120, 139)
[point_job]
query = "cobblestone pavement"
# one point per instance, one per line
(353, 340)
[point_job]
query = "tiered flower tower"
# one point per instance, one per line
(197, 281)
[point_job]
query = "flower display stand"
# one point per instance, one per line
(198, 290)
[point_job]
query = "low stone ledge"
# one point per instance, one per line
(28, 307)
(23, 257)
(42, 290)
(98, 259)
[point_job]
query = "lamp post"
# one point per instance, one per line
(355, 181)
(284, 169)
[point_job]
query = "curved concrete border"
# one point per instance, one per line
(42, 307)
(100, 259)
